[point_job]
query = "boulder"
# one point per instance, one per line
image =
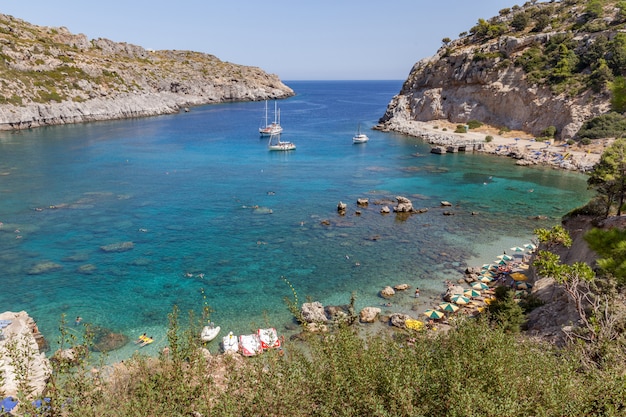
(313, 312)
(385, 210)
(401, 287)
(362, 201)
(341, 206)
(446, 204)
(399, 319)
(337, 312)
(316, 328)
(387, 292)
(369, 314)
(70, 356)
(404, 205)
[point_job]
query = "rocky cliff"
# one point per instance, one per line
(531, 67)
(49, 76)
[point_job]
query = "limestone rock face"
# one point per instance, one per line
(20, 340)
(453, 85)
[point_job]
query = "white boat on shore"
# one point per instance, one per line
(270, 128)
(359, 137)
(275, 144)
(230, 343)
(269, 338)
(209, 332)
(250, 345)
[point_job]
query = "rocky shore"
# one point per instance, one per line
(515, 144)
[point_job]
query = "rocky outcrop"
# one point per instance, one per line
(313, 312)
(55, 77)
(458, 89)
(369, 314)
(21, 341)
(478, 77)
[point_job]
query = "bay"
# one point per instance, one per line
(216, 219)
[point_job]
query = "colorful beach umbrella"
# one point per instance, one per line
(459, 299)
(530, 246)
(449, 307)
(480, 286)
(518, 276)
(518, 249)
(433, 314)
(522, 286)
(471, 293)
(485, 278)
(504, 257)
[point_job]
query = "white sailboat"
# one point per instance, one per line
(275, 144)
(359, 137)
(268, 128)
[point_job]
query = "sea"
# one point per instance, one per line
(207, 217)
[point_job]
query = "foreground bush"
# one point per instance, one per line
(474, 370)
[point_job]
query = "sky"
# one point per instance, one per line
(296, 40)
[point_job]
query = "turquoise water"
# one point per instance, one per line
(211, 212)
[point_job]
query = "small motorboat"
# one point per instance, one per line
(209, 332)
(268, 338)
(250, 345)
(230, 343)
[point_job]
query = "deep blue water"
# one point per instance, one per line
(216, 218)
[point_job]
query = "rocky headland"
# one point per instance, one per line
(51, 76)
(532, 68)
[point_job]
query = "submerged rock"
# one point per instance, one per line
(118, 247)
(105, 340)
(43, 267)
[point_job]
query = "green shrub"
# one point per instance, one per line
(609, 125)
(488, 138)
(504, 311)
(550, 131)
(520, 21)
(461, 129)
(474, 124)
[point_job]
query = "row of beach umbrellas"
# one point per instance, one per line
(485, 277)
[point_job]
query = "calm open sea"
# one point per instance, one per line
(212, 213)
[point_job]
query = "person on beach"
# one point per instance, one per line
(78, 320)
(417, 292)
(141, 339)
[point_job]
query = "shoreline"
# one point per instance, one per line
(514, 144)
